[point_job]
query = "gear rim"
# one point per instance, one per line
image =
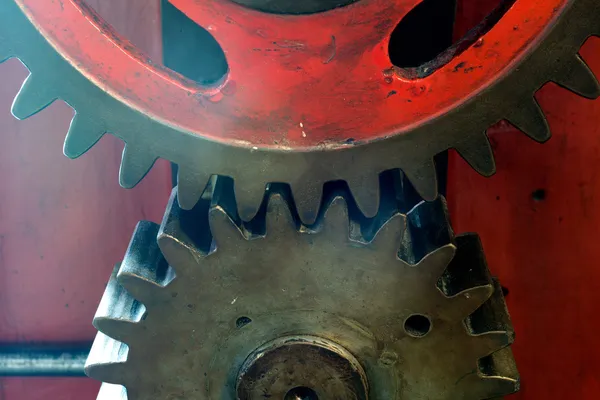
(462, 128)
(145, 278)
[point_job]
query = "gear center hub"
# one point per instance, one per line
(301, 368)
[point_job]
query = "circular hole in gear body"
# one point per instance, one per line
(242, 322)
(301, 393)
(294, 6)
(417, 325)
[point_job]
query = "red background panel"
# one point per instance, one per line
(64, 223)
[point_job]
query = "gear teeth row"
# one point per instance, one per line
(227, 224)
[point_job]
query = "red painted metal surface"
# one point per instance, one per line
(64, 223)
(545, 251)
(284, 88)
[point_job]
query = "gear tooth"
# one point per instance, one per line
(427, 229)
(184, 238)
(191, 184)
(478, 152)
(498, 375)
(424, 179)
(468, 269)
(83, 135)
(485, 344)
(226, 232)
(366, 193)
(249, 197)
(580, 79)
(435, 263)
(135, 164)
(493, 387)
(307, 197)
(389, 237)
(144, 270)
(467, 281)
(107, 361)
(530, 119)
(492, 316)
(112, 392)
(118, 313)
(31, 99)
(463, 304)
(280, 217)
(336, 220)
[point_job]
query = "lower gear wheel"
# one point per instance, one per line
(278, 310)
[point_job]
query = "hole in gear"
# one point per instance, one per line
(539, 195)
(417, 325)
(242, 322)
(190, 49)
(301, 393)
(415, 46)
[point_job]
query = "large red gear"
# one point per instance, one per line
(281, 90)
(307, 98)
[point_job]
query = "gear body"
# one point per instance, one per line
(393, 307)
(307, 99)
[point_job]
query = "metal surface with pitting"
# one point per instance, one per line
(186, 311)
(287, 109)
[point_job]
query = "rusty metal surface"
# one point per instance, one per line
(264, 115)
(64, 224)
(399, 302)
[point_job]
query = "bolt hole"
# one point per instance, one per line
(423, 40)
(417, 325)
(242, 322)
(301, 393)
(539, 195)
